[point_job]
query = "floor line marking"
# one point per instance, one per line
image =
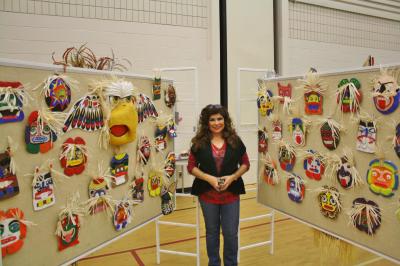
(137, 258)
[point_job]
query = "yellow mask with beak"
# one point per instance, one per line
(123, 118)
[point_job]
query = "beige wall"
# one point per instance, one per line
(34, 38)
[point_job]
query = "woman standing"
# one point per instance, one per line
(218, 159)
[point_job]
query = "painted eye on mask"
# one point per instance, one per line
(14, 226)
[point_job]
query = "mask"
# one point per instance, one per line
(122, 215)
(73, 158)
(269, 172)
(160, 138)
(276, 130)
(330, 136)
(171, 128)
(262, 140)
(11, 97)
(145, 108)
(298, 132)
(349, 95)
(8, 180)
(156, 88)
(386, 94)
(264, 102)
(154, 183)
(38, 135)
(69, 233)
(86, 114)
(57, 94)
(137, 189)
(286, 159)
(123, 118)
(367, 219)
(285, 91)
(12, 230)
(98, 188)
(119, 169)
(144, 150)
(169, 168)
(314, 166)
(397, 141)
(366, 136)
(382, 177)
(43, 191)
(170, 96)
(344, 174)
(313, 103)
(329, 201)
(167, 202)
(295, 188)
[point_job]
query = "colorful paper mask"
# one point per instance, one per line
(154, 183)
(262, 140)
(74, 156)
(396, 142)
(86, 114)
(264, 102)
(276, 130)
(57, 93)
(160, 137)
(8, 179)
(344, 175)
(119, 169)
(329, 200)
(170, 96)
(313, 88)
(169, 168)
(313, 103)
(295, 188)
(287, 158)
(122, 215)
(137, 189)
(298, 131)
(167, 202)
(284, 91)
(145, 108)
(314, 166)
(365, 215)
(382, 177)
(349, 95)
(11, 102)
(43, 190)
(124, 117)
(98, 188)
(157, 88)
(270, 173)
(38, 134)
(13, 231)
(330, 135)
(386, 93)
(366, 136)
(171, 128)
(346, 171)
(144, 151)
(69, 231)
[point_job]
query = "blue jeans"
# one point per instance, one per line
(225, 216)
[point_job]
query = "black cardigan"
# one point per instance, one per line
(230, 164)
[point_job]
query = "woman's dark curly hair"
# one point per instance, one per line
(203, 134)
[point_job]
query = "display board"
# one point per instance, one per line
(40, 245)
(305, 198)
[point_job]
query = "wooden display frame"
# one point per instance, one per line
(97, 231)
(386, 238)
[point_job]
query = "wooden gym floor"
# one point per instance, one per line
(294, 242)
